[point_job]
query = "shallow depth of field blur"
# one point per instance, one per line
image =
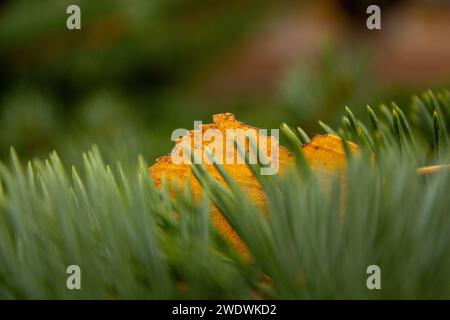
(139, 69)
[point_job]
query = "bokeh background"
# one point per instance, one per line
(139, 69)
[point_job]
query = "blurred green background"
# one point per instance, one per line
(139, 69)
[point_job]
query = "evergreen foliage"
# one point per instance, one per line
(133, 241)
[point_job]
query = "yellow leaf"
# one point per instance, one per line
(324, 153)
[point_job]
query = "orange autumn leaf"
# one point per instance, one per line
(179, 174)
(326, 156)
(324, 153)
